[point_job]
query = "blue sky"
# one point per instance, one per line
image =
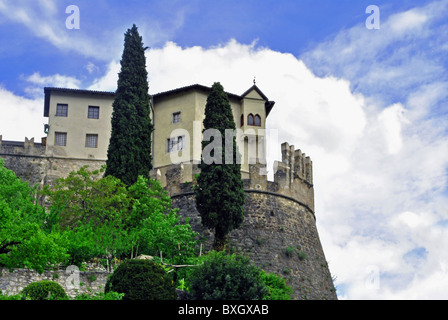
(368, 106)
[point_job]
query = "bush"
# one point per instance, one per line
(44, 290)
(226, 277)
(10, 297)
(111, 295)
(141, 280)
(277, 287)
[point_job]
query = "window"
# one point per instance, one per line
(170, 145)
(92, 141)
(180, 143)
(257, 121)
(250, 119)
(94, 112)
(242, 120)
(176, 117)
(62, 110)
(60, 139)
(176, 144)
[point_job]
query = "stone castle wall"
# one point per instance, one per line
(29, 161)
(279, 232)
(280, 236)
(73, 281)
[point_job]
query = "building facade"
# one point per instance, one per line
(79, 124)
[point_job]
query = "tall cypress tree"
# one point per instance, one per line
(129, 153)
(220, 191)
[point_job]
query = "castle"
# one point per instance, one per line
(279, 232)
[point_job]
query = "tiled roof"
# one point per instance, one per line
(48, 90)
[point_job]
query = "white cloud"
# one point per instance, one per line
(108, 82)
(91, 67)
(45, 20)
(391, 120)
(408, 21)
(36, 83)
(389, 62)
(56, 80)
(392, 196)
(21, 117)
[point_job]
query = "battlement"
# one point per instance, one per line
(293, 177)
(25, 148)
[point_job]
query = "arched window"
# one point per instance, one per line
(242, 120)
(180, 143)
(250, 119)
(258, 120)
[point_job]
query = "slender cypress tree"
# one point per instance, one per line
(220, 191)
(129, 153)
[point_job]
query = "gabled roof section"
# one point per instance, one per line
(49, 90)
(197, 87)
(254, 87)
(268, 104)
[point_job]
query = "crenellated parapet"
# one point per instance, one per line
(22, 148)
(293, 177)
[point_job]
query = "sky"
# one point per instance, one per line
(368, 105)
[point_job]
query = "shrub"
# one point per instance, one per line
(141, 280)
(44, 290)
(10, 297)
(289, 251)
(277, 288)
(111, 295)
(226, 277)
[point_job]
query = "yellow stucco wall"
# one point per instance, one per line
(190, 104)
(185, 103)
(77, 125)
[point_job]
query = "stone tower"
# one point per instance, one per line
(279, 232)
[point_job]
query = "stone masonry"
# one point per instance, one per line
(73, 281)
(29, 162)
(279, 232)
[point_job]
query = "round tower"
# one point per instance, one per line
(279, 232)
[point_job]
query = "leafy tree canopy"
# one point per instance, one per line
(23, 241)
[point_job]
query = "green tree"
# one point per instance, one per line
(99, 217)
(156, 226)
(90, 211)
(83, 196)
(129, 152)
(23, 239)
(220, 191)
(226, 277)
